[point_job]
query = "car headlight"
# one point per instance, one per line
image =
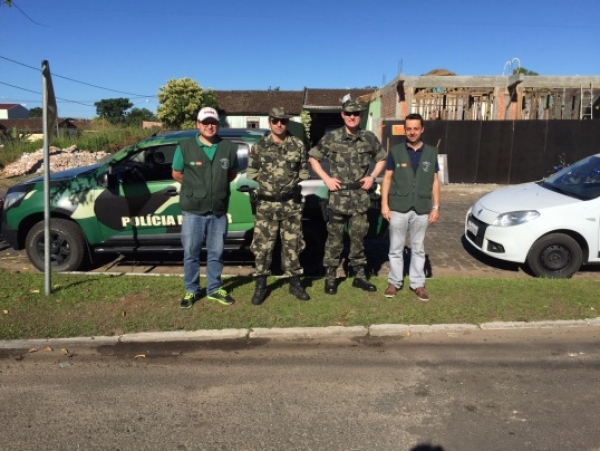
(513, 218)
(13, 197)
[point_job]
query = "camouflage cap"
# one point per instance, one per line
(352, 106)
(278, 113)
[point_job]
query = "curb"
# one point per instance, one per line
(290, 333)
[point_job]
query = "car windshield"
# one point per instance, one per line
(580, 180)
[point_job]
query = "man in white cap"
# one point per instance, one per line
(204, 165)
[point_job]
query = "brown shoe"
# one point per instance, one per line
(391, 291)
(421, 294)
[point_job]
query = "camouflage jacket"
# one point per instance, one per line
(349, 159)
(278, 168)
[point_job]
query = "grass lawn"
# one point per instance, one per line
(93, 305)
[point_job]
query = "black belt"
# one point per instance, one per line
(277, 198)
(350, 185)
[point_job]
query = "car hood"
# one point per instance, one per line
(527, 196)
(62, 175)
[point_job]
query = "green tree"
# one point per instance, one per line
(36, 112)
(8, 2)
(524, 71)
(137, 115)
(113, 110)
(180, 100)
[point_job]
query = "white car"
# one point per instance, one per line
(552, 226)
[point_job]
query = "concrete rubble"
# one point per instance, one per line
(60, 160)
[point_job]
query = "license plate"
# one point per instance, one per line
(472, 227)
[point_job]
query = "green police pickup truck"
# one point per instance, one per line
(129, 203)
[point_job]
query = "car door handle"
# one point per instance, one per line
(245, 189)
(171, 192)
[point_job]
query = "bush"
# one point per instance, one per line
(101, 138)
(13, 150)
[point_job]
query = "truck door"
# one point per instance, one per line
(141, 207)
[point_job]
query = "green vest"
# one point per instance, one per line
(205, 187)
(410, 189)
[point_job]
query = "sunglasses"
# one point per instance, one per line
(276, 121)
(206, 124)
(351, 113)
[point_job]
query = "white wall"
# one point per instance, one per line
(17, 112)
(241, 121)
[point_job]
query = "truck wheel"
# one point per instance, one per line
(555, 256)
(67, 245)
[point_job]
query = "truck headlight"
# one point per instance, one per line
(513, 218)
(13, 197)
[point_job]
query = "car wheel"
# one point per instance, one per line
(555, 256)
(67, 245)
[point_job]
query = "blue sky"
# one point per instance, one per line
(130, 48)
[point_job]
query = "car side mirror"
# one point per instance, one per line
(108, 179)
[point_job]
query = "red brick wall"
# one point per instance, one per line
(389, 99)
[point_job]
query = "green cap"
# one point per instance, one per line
(278, 112)
(352, 106)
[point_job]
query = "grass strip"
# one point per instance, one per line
(93, 305)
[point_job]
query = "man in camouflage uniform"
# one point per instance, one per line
(278, 163)
(350, 151)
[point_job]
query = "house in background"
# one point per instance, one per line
(13, 111)
(32, 128)
(250, 109)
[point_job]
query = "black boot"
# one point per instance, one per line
(330, 282)
(298, 290)
(360, 280)
(260, 290)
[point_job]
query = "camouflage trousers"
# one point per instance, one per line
(358, 226)
(292, 244)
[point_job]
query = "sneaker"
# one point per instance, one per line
(221, 296)
(391, 291)
(421, 294)
(188, 300)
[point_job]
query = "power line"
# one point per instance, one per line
(25, 14)
(76, 81)
(37, 92)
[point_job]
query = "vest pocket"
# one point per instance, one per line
(198, 194)
(394, 191)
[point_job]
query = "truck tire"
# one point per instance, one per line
(67, 245)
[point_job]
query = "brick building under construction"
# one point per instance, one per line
(442, 95)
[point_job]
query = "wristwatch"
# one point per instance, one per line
(435, 207)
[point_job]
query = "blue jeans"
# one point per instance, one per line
(194, 229)
(416, 226)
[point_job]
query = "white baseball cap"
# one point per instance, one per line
(206, 113)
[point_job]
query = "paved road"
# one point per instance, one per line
(448, 253)
(471, 390)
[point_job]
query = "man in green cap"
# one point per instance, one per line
(278, 163)
(350, 150)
